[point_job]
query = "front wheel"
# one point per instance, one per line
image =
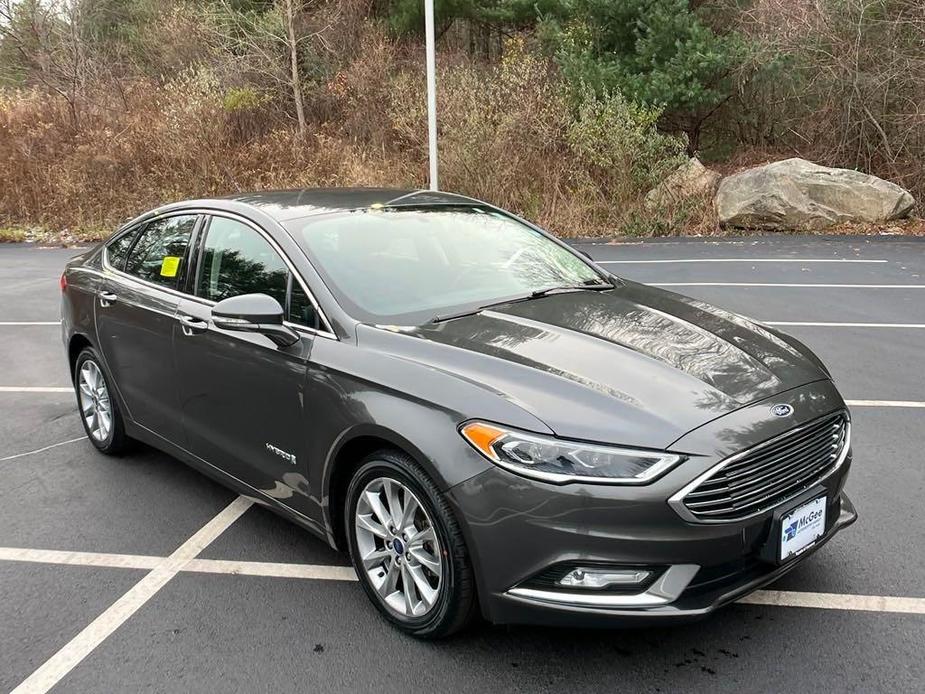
(407, 548)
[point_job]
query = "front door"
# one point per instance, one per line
(241, 395)
(135, 315)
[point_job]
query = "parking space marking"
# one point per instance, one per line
(61, 663)
(55, 556)
(775, 598)
(835, 601)
(35, 389)
(787, 284)
(272, 569)
(844, 325)
(885, 403)
(19, 322)
(42, 450)
(739, 260)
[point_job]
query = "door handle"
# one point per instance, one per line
(192, 325)
(107, 299)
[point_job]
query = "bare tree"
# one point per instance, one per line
(273, 44)
(46, 39)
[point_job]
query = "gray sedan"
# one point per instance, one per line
(488, 422)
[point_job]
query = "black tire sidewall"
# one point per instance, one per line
(435, 622)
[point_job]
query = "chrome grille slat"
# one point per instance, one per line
(769, 473)
(774, 452)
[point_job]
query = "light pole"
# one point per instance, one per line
(431, 91)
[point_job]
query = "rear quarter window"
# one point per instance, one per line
(117, 249)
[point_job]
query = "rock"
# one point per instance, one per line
(690, 179)
(797, 194)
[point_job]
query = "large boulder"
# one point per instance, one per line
(797, 194)
(690, 179)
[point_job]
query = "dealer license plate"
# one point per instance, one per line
(800, 528)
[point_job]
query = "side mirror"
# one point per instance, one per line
(254, 313)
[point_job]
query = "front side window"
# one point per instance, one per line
(159, 254)
(407, 265)
(237, 260)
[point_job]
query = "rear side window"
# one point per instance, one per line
(237, 260)
(160, 253)
(117, 249)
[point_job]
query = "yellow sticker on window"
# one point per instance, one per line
(170, 265)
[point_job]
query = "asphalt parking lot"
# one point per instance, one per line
(140, 574)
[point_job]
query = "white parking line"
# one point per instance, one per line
(272, 569)
(61, 663)
(784, 284)
(42, 450)
(55, 556)
(828, 601)
(739, 260)
(835, 601)
(844, 325)
(55, 322)
(885, 403)
(34, 389)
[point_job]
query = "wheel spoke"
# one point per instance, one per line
(426, 535)
(425, 558)
(375, 558)
(408, 589)
(375, 503)
(393, 503)
(367, 523)
(407, 517)
(390, 584)
(427, 592)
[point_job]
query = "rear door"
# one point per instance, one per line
(242, 396)
(135, 312)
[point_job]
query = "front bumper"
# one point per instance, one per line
(517, 529)
(677, 596)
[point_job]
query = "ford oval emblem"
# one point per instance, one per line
(782, 410)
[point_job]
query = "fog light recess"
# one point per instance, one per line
(602, 578)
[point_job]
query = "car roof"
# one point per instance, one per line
(284, 205)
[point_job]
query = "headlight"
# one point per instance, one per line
(554, 460)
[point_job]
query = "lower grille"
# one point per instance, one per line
(762, 477)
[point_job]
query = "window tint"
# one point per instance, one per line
(117, 249)
(160, 253)
(301, 309)
(237, 260)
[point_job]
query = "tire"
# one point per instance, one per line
(454, 605)
(94, 397)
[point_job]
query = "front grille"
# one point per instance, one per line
(770, 473)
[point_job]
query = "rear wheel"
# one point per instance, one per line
(99, 412)
(407, 547)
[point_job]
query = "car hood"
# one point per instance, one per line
(634, 365)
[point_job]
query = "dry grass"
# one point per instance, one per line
(510, 134)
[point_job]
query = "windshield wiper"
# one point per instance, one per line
(594, 287)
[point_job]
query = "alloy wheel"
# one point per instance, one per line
(398, 547)
(95, 406)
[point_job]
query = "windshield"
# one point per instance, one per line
(405, 266)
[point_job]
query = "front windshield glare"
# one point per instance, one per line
(405, 266)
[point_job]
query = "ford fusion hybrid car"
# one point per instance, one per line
(490, 424)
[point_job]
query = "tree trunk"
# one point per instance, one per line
(294, 77)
